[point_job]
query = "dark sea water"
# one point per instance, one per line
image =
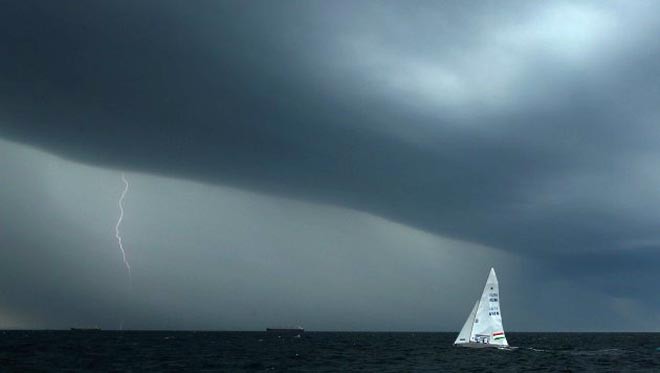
(322, 352)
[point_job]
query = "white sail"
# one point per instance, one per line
(466, 331)
(486, 326)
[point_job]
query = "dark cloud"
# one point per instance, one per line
(529, 128)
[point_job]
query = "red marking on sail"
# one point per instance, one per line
(498, 333)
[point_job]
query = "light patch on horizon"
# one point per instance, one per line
(631, 311)
(13, 320)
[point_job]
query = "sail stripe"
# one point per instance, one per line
(498, 333)
(498, 338)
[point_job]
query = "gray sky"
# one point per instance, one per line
(340, 165)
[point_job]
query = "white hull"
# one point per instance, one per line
(478, 345)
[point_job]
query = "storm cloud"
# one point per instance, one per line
(528, 130)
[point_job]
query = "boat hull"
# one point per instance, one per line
(480, 345)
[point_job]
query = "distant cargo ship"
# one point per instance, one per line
(296, 330)
(85, 329)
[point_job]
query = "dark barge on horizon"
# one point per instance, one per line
(85, 329)
(296, 330)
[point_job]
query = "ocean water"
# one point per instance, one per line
(322, 352)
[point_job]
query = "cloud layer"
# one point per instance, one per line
(528, 128)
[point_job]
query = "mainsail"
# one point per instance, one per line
(483, 326)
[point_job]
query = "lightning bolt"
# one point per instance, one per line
(121, 217)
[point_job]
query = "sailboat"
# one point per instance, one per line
(483, 327)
